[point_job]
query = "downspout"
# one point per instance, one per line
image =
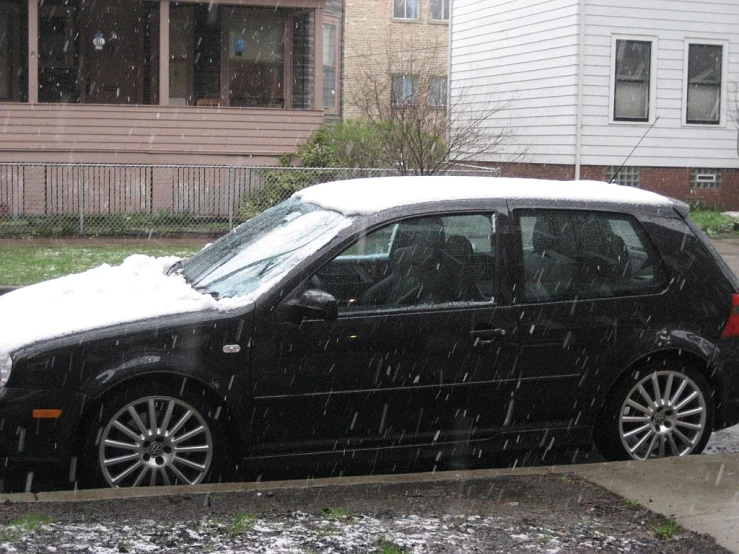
(580, 74)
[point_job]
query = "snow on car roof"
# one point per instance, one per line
(367, 196)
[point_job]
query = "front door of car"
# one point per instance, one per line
(587, 284)
(421, 354)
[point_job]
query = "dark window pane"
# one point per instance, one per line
(704, 83)
(633, 71)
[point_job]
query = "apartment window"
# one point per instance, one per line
(627, 175)
(405, 9)
(440, 10)
(404, 89)
(702, 178)
(633, 65)
(705, 62)
(330, 64)
(437, 91)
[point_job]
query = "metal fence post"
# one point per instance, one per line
(81, 200)
(231, 179)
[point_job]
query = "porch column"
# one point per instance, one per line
(164, 53)
(32, 51)
(318, 60)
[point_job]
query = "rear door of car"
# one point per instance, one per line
(437, 370)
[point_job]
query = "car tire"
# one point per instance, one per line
(155, 433)
(662, 409)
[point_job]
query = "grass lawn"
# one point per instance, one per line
(24, 265)
(713, 222)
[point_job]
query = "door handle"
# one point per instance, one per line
(487, 336)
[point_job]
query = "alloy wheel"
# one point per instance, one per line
(157, 440)
(664, 414)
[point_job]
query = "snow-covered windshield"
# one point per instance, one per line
(261, 250)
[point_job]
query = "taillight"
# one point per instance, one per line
(731, 329)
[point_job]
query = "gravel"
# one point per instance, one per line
(542, 513)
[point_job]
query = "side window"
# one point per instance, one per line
(425, 260)
(578, 254)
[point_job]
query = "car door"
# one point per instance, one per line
(428, 366)
(587, 282)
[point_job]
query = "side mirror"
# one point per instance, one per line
(311, 304)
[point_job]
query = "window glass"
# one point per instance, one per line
(405, 9)
(704, 83)
(404, 88)
(13, 51)
(633, 69)
(705, 178)
(440, 10)
(255, 60)
(574, 254)
(627, 175)
(329, 65)
(437, 91)
(426, 260)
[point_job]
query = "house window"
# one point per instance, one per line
(437, 92)
(405, 9)
(13, 52)
(330, 51)
(627, 175)
(632, 80)
(701, 178)
(440, 10)
(704, 84)
(404, 89)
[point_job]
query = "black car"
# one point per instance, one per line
(415, 320)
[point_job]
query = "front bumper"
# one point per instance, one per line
(26, 440)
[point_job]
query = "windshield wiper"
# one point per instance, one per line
(175, 267)
(204, 290)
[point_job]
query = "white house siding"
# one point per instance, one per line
(670, 143)
(523, 56)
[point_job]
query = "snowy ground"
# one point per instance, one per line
(725, 441)
(510, 514)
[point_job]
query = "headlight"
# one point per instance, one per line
(5, 364)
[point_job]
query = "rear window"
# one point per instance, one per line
(569, 254)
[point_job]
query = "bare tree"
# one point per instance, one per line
(403, 95)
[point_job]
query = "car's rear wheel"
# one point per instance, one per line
(170, 437)
(662, 410)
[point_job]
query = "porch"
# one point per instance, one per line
(140, 81)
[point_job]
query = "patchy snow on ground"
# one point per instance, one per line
(299, 532)
(137, 289)
(725, 441)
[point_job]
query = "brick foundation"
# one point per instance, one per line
(669, 181)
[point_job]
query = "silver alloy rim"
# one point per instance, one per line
(157, 440)
(664, 414)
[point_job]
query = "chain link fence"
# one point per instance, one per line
(64, 199)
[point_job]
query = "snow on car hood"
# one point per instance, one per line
(106, 295)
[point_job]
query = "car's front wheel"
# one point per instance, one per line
(152, 435)
(661, 410)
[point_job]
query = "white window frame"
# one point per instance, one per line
(409, 95)
(724, 80)
(443, 89)
(405, 16)
(444, 4)
(334, 22)
(651, 112)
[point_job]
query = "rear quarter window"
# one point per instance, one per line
(569, 254)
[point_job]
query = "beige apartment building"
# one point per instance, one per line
(389, 45)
